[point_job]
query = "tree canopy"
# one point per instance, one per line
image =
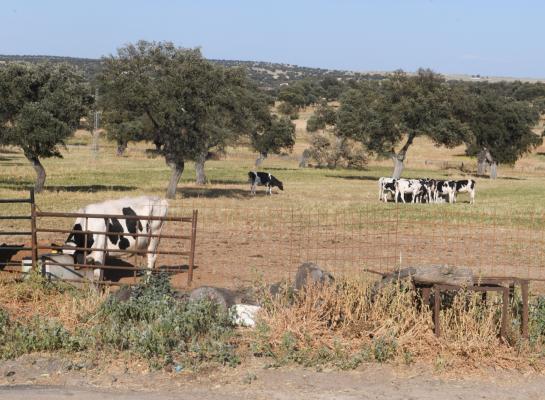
(40, 107)
(381, 115)
(184, 104)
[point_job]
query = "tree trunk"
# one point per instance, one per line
(200, 175)
(96, 137)
(399, 158)
(398, 166)
(121, 147)
(304, 159)
(260, 159)
(177, 170)
(494, 170)
(40, 173)
(483, 159)
(481, 167)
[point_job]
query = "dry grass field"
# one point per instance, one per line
(331, 216)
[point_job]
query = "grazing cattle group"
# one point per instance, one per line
(424, 190)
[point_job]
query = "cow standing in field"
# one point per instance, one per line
(403, 186)
(466, 186)
(122, 234)
(452, 188)
(386, 186)
(263, 179)
(428, 189)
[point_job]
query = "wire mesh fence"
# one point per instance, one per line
(236, 245)
(240, 244)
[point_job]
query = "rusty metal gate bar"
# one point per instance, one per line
(33, 247)
(190, 254)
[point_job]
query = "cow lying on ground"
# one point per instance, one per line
(263, 179)
(121, 233)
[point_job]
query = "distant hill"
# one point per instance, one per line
(89, 66)
(267, 75)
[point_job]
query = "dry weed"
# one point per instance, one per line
(37, 298)
(347, 319)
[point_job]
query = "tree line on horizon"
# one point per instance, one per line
(189, 107)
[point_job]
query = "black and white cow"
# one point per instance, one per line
(386, 186)
(263, 179)
(403, 186)
(121, 233)
(452, 188)
(442, 190)
(466, 186)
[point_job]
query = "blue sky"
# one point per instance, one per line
(495, 38)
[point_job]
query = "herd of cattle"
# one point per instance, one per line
(417, 190)
(424, 190)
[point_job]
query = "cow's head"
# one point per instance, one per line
(277, 183)
(77, 239)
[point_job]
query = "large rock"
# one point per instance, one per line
(311, 274)
(224, 297)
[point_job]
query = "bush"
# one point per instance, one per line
(151, 323)
(332, 152)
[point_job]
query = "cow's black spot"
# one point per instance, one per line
(114, 226)
(79, 240)
(132, 224)
(124, 243)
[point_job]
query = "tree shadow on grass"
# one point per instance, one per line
(8, 151)
(14, 183)
(508, 178)
(354, 177)
(278, 169)
(229, 181)
(11, 161)
(212, 193)
(89, 188)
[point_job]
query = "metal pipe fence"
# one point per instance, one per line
(7, 250)
(179, 239)
(44, 227)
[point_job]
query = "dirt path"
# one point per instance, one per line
(42, 378)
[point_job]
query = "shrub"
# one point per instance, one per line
(152, 324)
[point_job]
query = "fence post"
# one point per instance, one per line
(192, 250)
(34, 236)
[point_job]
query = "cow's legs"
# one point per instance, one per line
(472, 196)
(97, 257)
(152, 256)
(252, 189)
